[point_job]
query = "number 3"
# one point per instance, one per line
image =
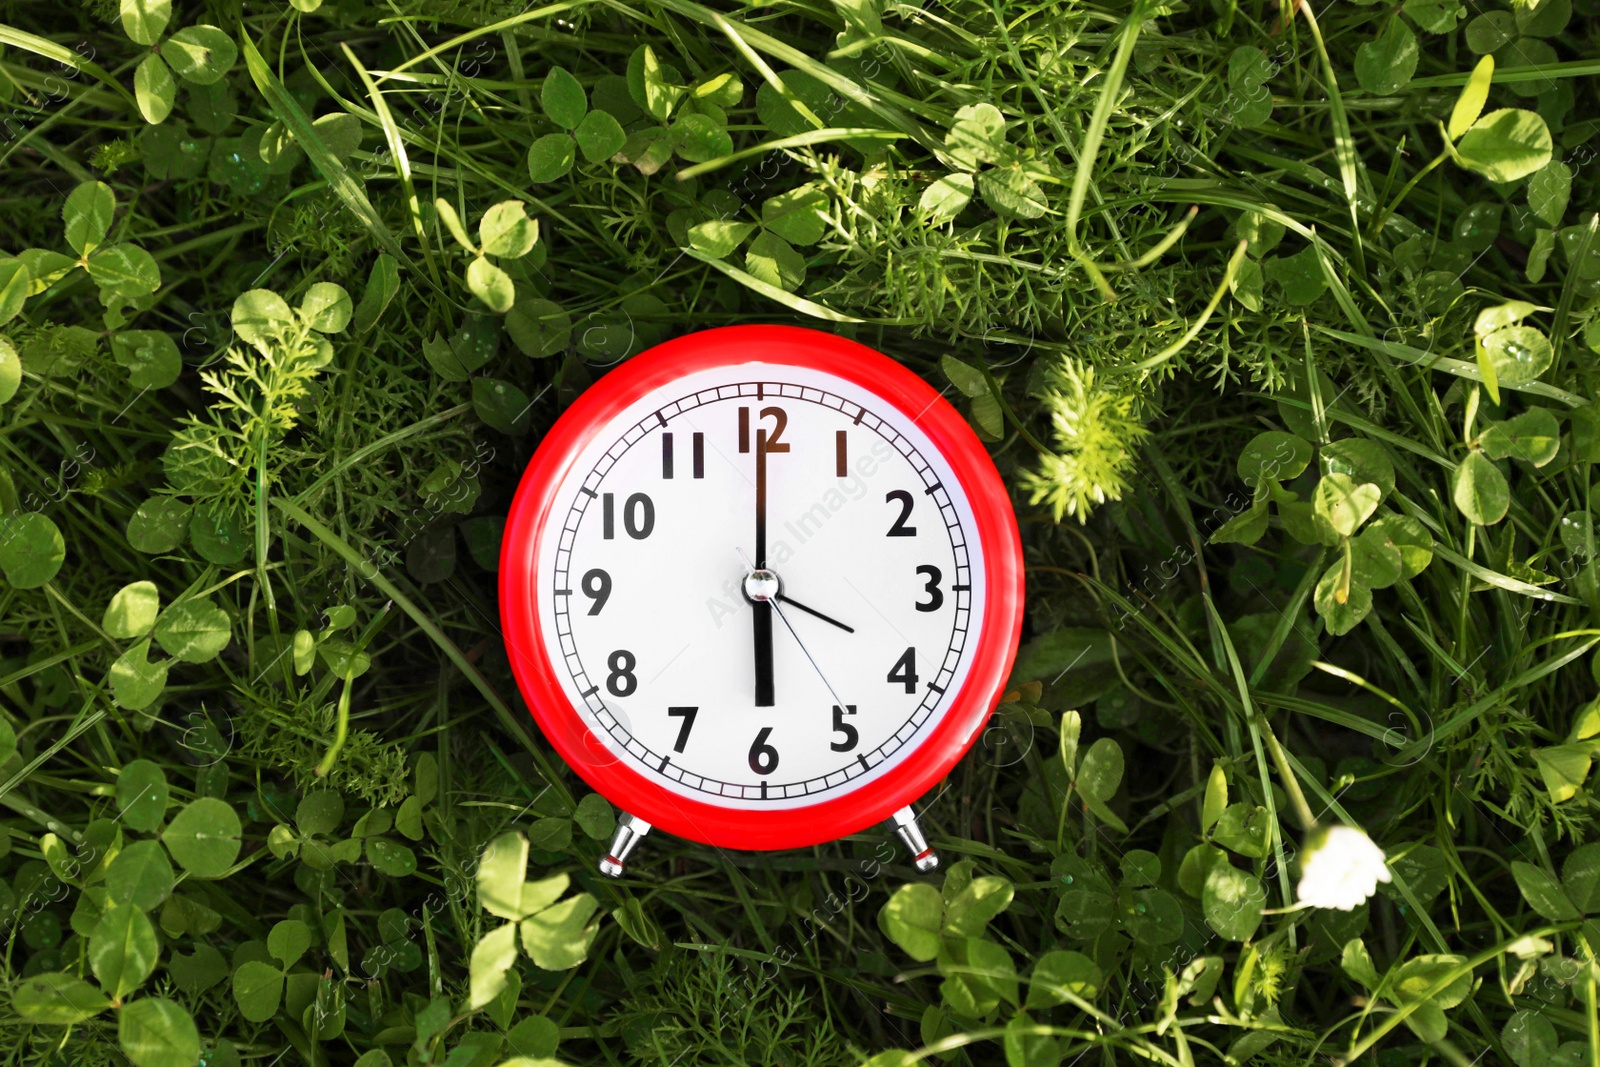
(935, 597)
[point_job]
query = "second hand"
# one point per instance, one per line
(802, 644)
(775, 601)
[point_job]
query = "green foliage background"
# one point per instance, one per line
(1281, 323)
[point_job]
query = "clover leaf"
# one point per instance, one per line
(200, 55)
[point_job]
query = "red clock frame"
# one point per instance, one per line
(743, 828)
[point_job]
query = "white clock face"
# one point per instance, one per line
(868, 586)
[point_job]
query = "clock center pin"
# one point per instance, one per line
(762, 585)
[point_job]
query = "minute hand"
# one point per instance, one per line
(761, 613)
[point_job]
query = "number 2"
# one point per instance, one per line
(900, 529)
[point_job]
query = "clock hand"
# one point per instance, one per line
(802, 644)
(761, 500)
(784, 598)
(761, 613)
(762, 616)
(759, 590)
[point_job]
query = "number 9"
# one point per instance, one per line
(597, 586)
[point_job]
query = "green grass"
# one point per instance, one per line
(1308, 539)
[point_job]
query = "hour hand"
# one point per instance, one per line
(785, 598)
(761, 612)
(761, 589)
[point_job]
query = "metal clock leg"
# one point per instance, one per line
(630, 831)
(905, 826)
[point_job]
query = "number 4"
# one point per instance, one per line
(905, 670)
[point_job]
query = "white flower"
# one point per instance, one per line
(1341, 868)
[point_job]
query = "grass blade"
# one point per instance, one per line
(344, 185)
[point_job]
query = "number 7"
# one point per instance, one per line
(687, 714)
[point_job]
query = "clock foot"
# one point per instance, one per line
(630, 830)
(906, 828)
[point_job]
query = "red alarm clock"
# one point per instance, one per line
(761, 587)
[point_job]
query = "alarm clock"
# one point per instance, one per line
(761, 587)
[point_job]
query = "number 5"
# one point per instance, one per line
(851, 737)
